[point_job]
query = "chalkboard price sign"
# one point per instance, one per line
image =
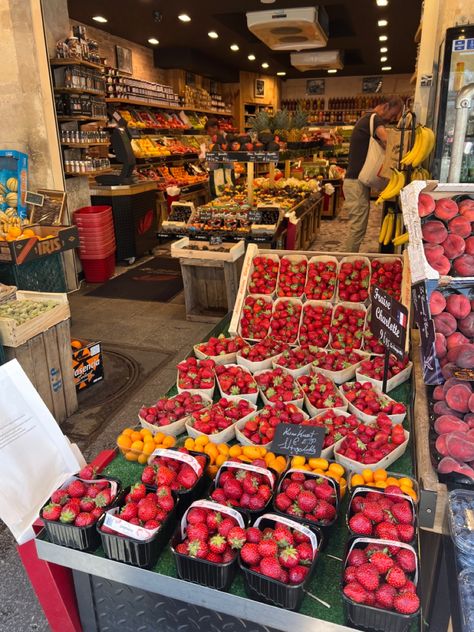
(215, 240)
(297, 440)
(255, 217)
(389, 321)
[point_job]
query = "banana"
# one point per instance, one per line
(383, 230)
(389, 233)
(393, 188)
(401, 239)
(408, 157)
(398, 225)
(429, 140)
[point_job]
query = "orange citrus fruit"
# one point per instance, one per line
(367, 475)
(336, 468)
(124, 442)
(357, 479)
(380, 475)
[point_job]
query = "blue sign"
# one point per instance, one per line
(463, 44)
(470, 44)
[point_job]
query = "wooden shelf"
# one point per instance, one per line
(177, 108)
(75, 62)
(83, 145)
(88, 173)
(77, 117)
(97, 93)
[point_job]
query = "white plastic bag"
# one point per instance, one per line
(369, 174)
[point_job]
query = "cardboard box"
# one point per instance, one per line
(87, 364)
(13, 174)
(49, 240)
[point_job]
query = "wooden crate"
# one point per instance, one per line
(304, 224)
(224, 252)
(14, 335)
(210, 284)
(253, 250)
(47, 360)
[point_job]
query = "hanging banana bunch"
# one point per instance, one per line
(386, 232)
(400, 240)
(422, 147)
(420, 174)
(394, 186)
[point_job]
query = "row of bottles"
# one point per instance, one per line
(358, 103)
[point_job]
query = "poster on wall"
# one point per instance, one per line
(259, 88)
(315, 86)
(372, 84)
(124, 59)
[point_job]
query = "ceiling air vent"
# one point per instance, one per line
(317, 60)
(290, 29)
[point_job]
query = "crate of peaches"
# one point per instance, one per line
(137, 444)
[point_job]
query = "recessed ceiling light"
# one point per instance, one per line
(153, 41)
(99, 18)
(251, 57)
(382, 3)
(267, 1)
(332, 71)
(383, 38)
(213, 35)
(281, 74)
(383, 58)
(382, 23)
(386, 67)
(184, 17)
(265, 65)
(384, 49)
(234, 47)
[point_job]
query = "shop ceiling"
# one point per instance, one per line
(353, 29)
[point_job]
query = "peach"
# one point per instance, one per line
(466, 208)
(469, 419)
(458, 398)
(434, 232)
(440, 445)
(454, 381)
(456, 339)
(438, 393)
(471, 403)
(437, 303)
(466, 325)
(448, 370)
(426, 205)
(470, 246)
(441, 408)
(458, 305)
(454, 246)
(446, 209)
(463, 357)
(441, 265)
(461, 226)
(440, 346)
(464, 265)
(445, 324)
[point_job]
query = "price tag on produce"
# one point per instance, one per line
(205, 216)
(215, 240)
(255, 217)
(419, 295)
(297, 440)
(389, 321)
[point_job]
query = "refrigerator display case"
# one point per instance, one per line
(456, 70)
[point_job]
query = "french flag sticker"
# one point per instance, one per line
(402, 319)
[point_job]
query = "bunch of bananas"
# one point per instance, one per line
(420, 174)
(422, 148)
(391, 230)
(394, 186)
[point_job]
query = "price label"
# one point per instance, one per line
(389, 321)
(205, 216)
(215, 240)
(297, 440)
(36, 199)
(255, 217)
(419, 294)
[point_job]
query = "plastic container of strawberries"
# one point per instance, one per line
(141, 553)
(190, 495)
(272, 591)
(363, 617)
(79, 538)
(357, 491)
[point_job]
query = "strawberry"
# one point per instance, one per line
(369, 400)
(97, 512)
(103, 498)
(187, 477)
(292, 279)
(381, 561)
(236, 537)
(402, 512)
(254, 535)
(250, 555)
(330, 360)
(373, 511)
(68, 514)
(148, 475)
(296, 358)
(59, 497)
(235, 380)
(137, 492)
(406, 560)
(285, 320)
(225, 526)
(356, 557)
(260, 428)
(321, 280)
(396, 577)
(213, 557)
(255, 318)
(228, 556)
(84, 519)
(335, 423)
(406, 532)
(321, 391)
(388, 276)
(87, 473)
(354, 279)
(164, 475)
(217, 544)
(307, 501)
(360, 524)
(368, 576)
(282, 536)
(356, 592)
(278, 386)
(147, 511)
(305, 552)
(266, 348)
(87, 504)
(298, 574)
(221, 415)
(196, 515)
(198, 548)
(198, 531)
(263, 277)
(152, 524)
(267, 548)
(165, 499)
(220, 345)
(315, 325)
(282, 502)
(347, 327)
(406, 603)
(167, 410)
(289, 557)
(130, 510)
(374, 368)
(52, 511)
(76, 489)
(196, 374)
(384, 596)
(386, 531)
(270, 567)
(212, 519)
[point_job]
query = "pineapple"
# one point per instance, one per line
(281, 123)
(261, 123)
(299, 120)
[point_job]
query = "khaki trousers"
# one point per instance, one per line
(357, 204)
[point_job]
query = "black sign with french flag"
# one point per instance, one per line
(389, 321)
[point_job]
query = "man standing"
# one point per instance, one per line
(356, 194)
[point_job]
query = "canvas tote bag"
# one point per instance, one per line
(369, 174)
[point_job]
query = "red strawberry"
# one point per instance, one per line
(406, 532)
(282, 536)
(103, 498)
(59, 497)
(52, 511)
(386, 531)
(87, 504)
(196, 515)
(307, 501)
(76, 489)
(305, 552)
(215, 558)
(137, 492)
(236, 537)
(267, 548)
(129, 511)
(406, 560)
(381, 561)
(384, 596)
(356, 557)
(368, 576)
(148, 475)
(249, 554)
(321, 281)
(165, 499)
(232, 489)
(225, 526)
(406, 603)
(254, 535)
(402, 512)
(198, 548)
(68, 514)
(396, 577)
(187, 477)
(289, 557)
(270, 567)
(282, 502)
(198, 531)
(373, 511)
(87, 473)
(217, 544)
(360, 524)
(228, 555)
(298, 574)
(356, 592)
(147, 511)
(84, 519)
(350, 574)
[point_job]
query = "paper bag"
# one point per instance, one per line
(392, 152)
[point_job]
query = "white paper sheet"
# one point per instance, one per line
(35, 456)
